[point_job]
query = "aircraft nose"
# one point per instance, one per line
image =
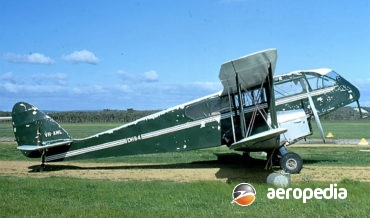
(355, 92)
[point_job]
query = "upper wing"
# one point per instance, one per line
(252, 70)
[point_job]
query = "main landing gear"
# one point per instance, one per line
(290, 162)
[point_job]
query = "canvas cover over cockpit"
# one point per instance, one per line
(251, 69)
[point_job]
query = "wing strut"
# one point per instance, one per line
(241, 108)
(315, 114)
(231, 114)
(359, 109)
(257, 108)
(270, 78)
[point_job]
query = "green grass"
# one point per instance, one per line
(81, 130)
(73, 197)
(344, 129)
(332, 156)
(8, 151)
(6, 129)
(70, 197)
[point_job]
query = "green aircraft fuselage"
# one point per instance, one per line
(245, 109)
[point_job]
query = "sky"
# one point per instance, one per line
(93, 55)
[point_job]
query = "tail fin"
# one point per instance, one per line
(33, 127)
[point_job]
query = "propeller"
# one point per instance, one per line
(316, 115)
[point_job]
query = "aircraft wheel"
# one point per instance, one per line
(291, 163)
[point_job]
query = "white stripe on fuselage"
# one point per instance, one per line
(292, 98)
(143, 136)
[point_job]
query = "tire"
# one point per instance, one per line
(291, 163)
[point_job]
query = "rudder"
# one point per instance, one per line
(33, 127)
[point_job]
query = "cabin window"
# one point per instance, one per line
(207, 107)
(292, 87)
(251, 97)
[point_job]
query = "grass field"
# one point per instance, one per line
(70, 197)
(344, 129)
(29, 196)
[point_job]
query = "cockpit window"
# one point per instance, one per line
(318, 81)
(333, 75)
(297, 83)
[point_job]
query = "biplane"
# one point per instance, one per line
(245, 116)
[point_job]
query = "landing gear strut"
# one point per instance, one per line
(43, 151)
(41, 168)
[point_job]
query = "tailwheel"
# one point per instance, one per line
(291, 163)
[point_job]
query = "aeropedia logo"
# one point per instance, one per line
(244, 194)
(332, 192)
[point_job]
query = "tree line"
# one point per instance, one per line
(347, 113)
(124, 116)
(5, 114)
(104, 116)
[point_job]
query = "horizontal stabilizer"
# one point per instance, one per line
(42, 147)
(255, 139)
(5, 118)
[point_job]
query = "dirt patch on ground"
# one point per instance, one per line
(177, 172)
(332, 173)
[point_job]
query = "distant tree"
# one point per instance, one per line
(344, 113)
(103, 116)
(5, 114)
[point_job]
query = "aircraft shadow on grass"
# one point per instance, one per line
(233, 167)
